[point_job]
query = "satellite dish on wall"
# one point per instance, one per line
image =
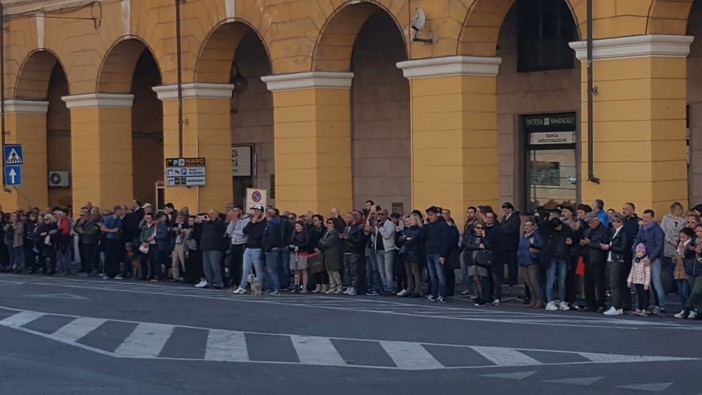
(418, 21)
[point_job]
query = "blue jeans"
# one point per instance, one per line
(436, 275)
(273, 267)
(557, 267)
(386, 267)
(16, 257)
(683, 291)
(372, 272)
(63, 260)
(252, 259)
(656, 279)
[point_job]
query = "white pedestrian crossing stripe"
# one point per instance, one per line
(148, 340)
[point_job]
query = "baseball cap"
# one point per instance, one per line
(257, 207)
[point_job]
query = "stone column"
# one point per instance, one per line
(639, 121)
(26, 125)
(312, 141)
(101, 149)
(207, 133)
(454, 132)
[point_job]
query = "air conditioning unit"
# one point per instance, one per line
(59, 179)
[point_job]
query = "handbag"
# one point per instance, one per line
(483, 258)
(580, 267)
(315, 263)
(144, 248)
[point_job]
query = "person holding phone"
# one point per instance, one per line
(594, 237)
(252, 253)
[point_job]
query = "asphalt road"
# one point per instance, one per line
(85, 336)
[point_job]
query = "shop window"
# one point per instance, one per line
(545, 27)
(551, 161)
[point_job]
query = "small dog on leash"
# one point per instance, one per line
(255, 285)
(133, 260)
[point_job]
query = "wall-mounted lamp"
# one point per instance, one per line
(240, 85)
(418, 22)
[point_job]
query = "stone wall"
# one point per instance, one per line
(380, 133)
(525, 93)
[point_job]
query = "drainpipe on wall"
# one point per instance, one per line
(590, 100)
(179, 61)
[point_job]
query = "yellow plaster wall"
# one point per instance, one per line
(312, 149)
(454, 142)
(101, 147)
(639, 146)
(206, 134)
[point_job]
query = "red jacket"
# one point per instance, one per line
(64, 226)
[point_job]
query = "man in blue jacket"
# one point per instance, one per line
(653, 237)
(435, 237)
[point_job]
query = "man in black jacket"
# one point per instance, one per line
(213, 244)
(493, 232)
(353, 246)
(435, 236)
(595, 237)
(511, 225)
(272, 243)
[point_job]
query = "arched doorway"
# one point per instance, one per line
(131, 68)
(58, 129)
(694, 104)
(538, 92)
(235, 56)
(47, 149)
(253, 159)
(380, 118)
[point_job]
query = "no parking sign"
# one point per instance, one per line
(256, 196)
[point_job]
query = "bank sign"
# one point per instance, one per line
(561, 122)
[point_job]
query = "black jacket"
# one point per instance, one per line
(510, 229)
(273, 235)
(302, 241)
(619, 245)
(496, 237)
(555, 245)
(594, 253)
(409, 242)
(631, 229)
(254, 233)
(435, 236)
(356, 243)
(213, 236)
(473, 244)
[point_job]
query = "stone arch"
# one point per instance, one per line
(214, 62)
(35, 75)
(481, 27)
(334, 46)
(668, 16)
(117, 69)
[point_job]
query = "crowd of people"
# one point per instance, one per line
(558, 254)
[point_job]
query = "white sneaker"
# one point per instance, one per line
(564, 306)
(692, 315)
(496, 302)
(681, 314)
(118, 277)
(238, 291)
(201, 284)
(551, 306)
(402, 293)
(351, 291)
(613, 311)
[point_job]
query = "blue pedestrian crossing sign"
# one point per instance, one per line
(13, 154)
(13, 175)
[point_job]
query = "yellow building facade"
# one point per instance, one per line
(331, 102)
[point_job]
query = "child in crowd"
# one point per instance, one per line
(640, 279)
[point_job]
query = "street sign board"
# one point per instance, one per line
(13, 154)
(13, 175)
(185, 172)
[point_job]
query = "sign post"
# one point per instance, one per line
(14, 159)
(256, 196)
(185, 172)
